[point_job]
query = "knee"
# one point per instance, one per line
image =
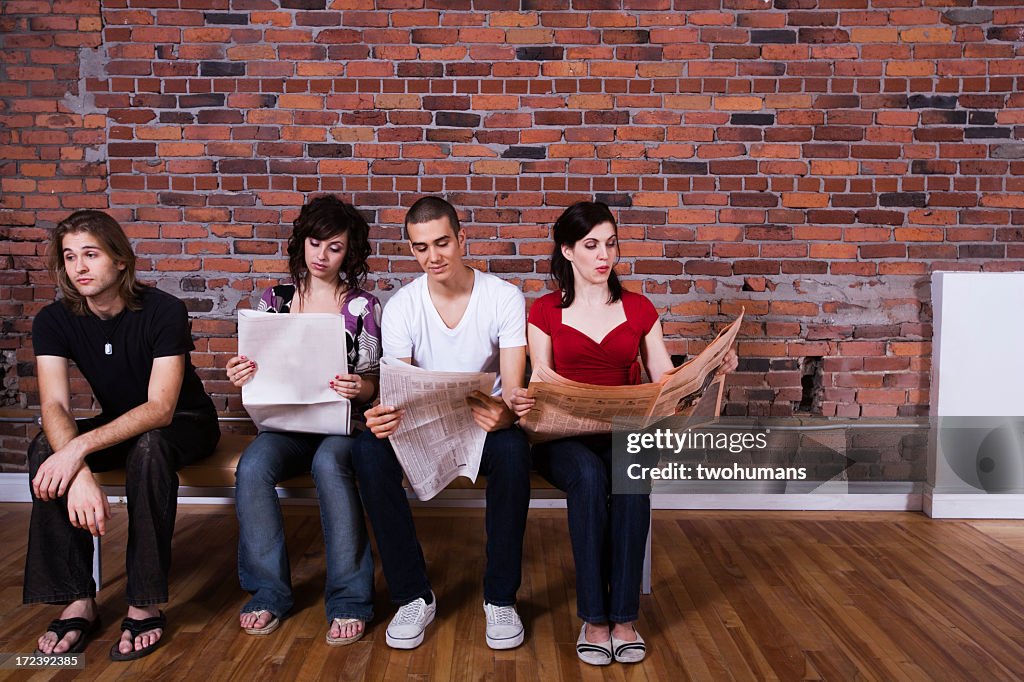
(371, 457)
(252, 472)
(150, 453)
(333, 458)
(511, 463)
(38, 451)
(590, 481)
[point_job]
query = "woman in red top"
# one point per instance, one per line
(593, 331)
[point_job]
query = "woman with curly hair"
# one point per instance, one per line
(327, 254)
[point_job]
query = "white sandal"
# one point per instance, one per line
(342, 622)
(266, 629)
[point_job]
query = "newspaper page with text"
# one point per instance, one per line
(437, 439)
(569, 408)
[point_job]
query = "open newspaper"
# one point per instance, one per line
(296, 355)
(437, 440)
(569, 408)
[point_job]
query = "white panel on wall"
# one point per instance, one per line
(978, 348)
(976, 464)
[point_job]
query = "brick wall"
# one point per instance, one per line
(810, 160)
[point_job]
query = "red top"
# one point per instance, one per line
(613, 361)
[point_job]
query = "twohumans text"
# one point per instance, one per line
(703, 472)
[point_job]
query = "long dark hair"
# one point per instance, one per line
(112, 240)
(323, 218)
(574, 224)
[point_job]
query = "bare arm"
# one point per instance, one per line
(654, 353)
(55, 400)
(491, 414)
(383, 420)
(541, 355)
(59, 469)
(512, 362)
(541, 351)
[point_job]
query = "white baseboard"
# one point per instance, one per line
(941, 505)
(893, 502)
(14, 488)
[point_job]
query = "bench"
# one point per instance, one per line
(214, 476)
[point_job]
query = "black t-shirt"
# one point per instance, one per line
(120, 380)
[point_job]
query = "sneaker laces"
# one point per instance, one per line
(409, 614)
(502, 615)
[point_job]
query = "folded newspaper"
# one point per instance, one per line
(296, 356)
(567, 408)
(437, 440)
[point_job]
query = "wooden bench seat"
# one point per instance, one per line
(218, 471)
(216, 474)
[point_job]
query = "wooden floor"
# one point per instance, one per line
(737, 595)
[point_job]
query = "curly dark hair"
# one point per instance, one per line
(323, 218)
(573, 225)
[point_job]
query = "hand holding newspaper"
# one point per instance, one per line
(569, 408)
(437, 440)
(296, 355)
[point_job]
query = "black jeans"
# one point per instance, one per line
(58, 569)
(505, 463)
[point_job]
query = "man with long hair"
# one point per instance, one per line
(131, 342)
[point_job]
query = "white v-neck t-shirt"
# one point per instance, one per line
(494, 319)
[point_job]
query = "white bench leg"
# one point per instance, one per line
(645, 585)
(97, 563)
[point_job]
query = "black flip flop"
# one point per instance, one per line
(136, 627)
(62, 626)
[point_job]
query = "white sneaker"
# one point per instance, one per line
(406, 629)
(504, 629)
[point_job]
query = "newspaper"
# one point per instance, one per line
(437, 440)
(296, 356)
(566, 408)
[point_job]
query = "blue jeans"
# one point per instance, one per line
(505, 463)
(608, 532)
(262, 556)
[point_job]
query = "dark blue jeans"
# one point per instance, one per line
(506, 464)
(58, 568)
(608, 532)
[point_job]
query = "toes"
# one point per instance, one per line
(252, 620)
(147, 639)
(347, 630)
(46, 642)
(125, 646)
(66, 643)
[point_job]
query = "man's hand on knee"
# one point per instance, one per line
(56, 472)
(87, 505)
